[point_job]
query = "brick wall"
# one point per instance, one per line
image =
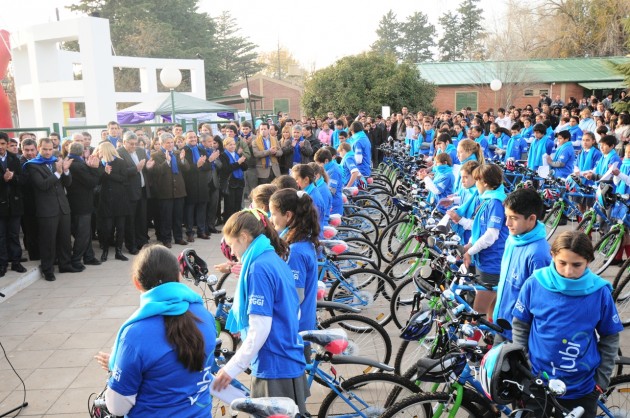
(270, 91)
(486, 98)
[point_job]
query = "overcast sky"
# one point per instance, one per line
(317, 33)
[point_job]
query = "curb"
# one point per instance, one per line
(20, 283)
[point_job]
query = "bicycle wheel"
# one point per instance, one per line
(366, 289)
(410, 352)
(427, 405)
(618, 396)
(351, 261)
(402, 300)
(605, 251)
(406, 266)
(621, 296)
(624, 271)
(586, 226)
(365, 248)
(393, 236)
(409, 246)
(552, 219)
(224, 279)
(345, 232)
(366, 338)
(363, 223)
(365, 395)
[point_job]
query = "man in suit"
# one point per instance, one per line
(10, 209)
(29, 221)
(266, 150)
(213, 151)
(85, 177)
(197, 194)
(136, 234)
(49, 177)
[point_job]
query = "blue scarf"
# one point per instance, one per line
(510, 146)
(113, 140)
(297, 158)
(268, 159)
(169, 299)
(536, 151)
(330, 166)
(567, 144)
(498, 194)
(284, 233)
(76, 157)
(238, 173)
(174, 167)
(357, 137)
(536, 234)
(39, 160)
(470, 200)
(589, 283)
(527, 132)
(440, 171)
(625, 169)
(195, 153)
(309, 189)
(585, 159)
(458, 180)
(602, 164)
(319, 182)
(345, 158)
(238, 320)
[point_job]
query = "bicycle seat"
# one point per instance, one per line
(440, 369)
(402, 205)
(335, 341)
(335, 219)
(335, 246)
(351, 191)
(266, 407)
(329, 232)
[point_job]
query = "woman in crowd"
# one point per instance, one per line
(232, 177)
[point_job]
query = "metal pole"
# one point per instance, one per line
(173, 107)
(249, 98)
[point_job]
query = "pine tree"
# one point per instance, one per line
(389, 36)
(417, 38)
(450, 44)
(471, 31)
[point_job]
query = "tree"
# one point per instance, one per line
(277, 63)
(417, 38)
(389, 35)
(624, 69)
(471, 31)
(366, 81)
(450, 44)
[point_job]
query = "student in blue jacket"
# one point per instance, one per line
(526, 249)
(563, 160)
(566, 318)
(541, 145)
(265, 311)
(321, 183)
(324, 158)
(305, 178)
(609, 157)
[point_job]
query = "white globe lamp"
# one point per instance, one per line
(496, 85)
(171, 78)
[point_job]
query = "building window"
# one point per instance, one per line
(544, 91)
(528, 93)
(280, 105)
(466, 99)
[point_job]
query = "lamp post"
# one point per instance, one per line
(171, 78)
(495, 86)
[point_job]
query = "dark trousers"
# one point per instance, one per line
(153, 215)
(233, 201)
(268, 179)
(108, 224)
(212, 208)
(31, 236)
(81, 228)
(136, 234)
(196, 216)
(10, 248)
(54, 241)
(171, 219)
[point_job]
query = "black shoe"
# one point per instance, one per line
(213, 230)
(167, 244)
(92, 262)
(69, 269)
(49, 277)
(17, 267)
(79, 266)
(119, 255)
(104, 255)
(23, 260)
(133, 251)
(3, 271)
(181, 242)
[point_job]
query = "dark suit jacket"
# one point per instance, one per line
(225, 174)
(165, 184)
(197, 178)
(81, 191)
(113, 199)
(28, 195)
(11, 203)
(135, 182)
(49, 191)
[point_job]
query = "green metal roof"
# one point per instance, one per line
(527, 71)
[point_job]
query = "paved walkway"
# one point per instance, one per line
(51, 331)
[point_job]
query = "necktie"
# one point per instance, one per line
(50, 167)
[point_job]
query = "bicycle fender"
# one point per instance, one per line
(362, 361)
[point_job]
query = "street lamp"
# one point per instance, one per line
(245, 95)
(495, 86)
(171, 78)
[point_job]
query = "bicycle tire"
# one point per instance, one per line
(351, 261)
(618, 396)
(423, 405)
(409, 246)
(222, 281)
(366, 338)
(605, 251)
(372, 294)
(365, 248)
(391, 240)
(345, 232)
(552, 219)
(402, 300)
(368, 393)
(624, 271)
(405, 266)
(364, 223)
(621, 297)
(409, 352)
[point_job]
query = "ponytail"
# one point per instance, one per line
(255, 223)
(304, 225)
(472, 147)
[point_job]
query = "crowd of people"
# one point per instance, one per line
(292, 175)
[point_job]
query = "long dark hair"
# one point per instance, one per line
(574, 241)
(255, 223)
(153, 266)
(304, 225)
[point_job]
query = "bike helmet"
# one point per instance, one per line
(500, 364)
(571, 185)
(419, 325)
(510, 164)
(191, 264)
(227, 251)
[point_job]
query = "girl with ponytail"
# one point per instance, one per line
(265, 311)
(305, 178)
(295, 218)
